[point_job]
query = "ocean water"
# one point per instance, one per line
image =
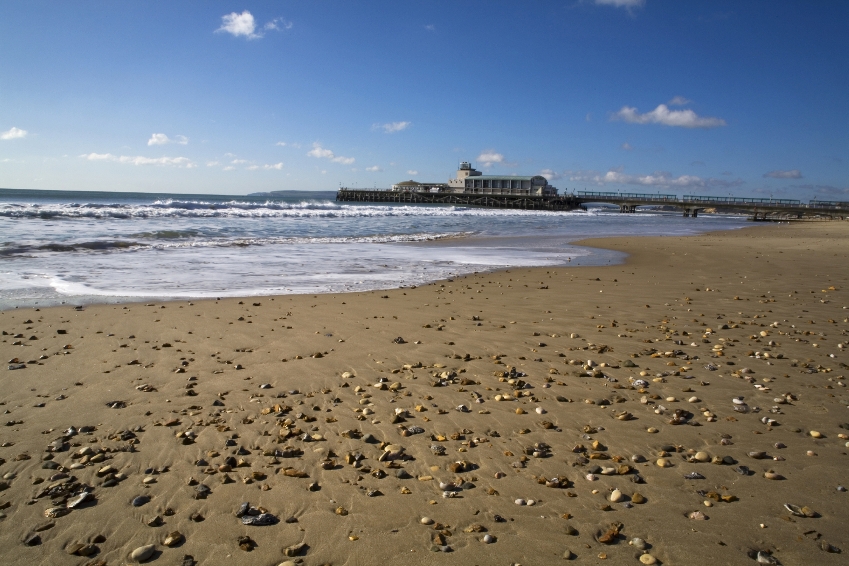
(64, 247)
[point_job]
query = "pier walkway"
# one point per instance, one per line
(690, 205)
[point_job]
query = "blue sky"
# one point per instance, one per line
(696, 97)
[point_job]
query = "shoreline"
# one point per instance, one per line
(682, 314)
(475, 241)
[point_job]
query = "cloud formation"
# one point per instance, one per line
(627, 147)
(13, 133)
(778, 174)
(184, 162)
(323, 153)
(663, 115)
(374, 169)
(550, 174)
(162, 139)
(277, 166)
(412, 172)
(621, 3)
(660, 179)
(679, 101)
(244, 25)
(489, 158)
(392, 127)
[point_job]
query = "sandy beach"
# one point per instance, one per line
(521, 417)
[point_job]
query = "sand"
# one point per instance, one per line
(758, 313)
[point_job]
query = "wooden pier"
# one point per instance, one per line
(691, 206)
(527, 202)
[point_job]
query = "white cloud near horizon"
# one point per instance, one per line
(277, 166)
(13, 133)
(184, 162)
(778, 174)
(412, 172)
(244, 25)
(392, 127)
(162, 139)
(550, 174)
(324, 153)
(374, 169)
(661, 179)
(489, 158)
(663, 115)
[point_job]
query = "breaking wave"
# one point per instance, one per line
(10, 249)
(169, 208)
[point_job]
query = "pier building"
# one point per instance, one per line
(471, 181)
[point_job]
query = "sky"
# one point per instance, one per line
(699, 97)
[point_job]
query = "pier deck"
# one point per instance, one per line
(759, 208)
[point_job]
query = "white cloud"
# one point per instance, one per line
(550, 174)
(229, 168)
(627, 147)
(277, 166)
(489, 158)
(791, 174)
(412, 172)
(392, 127)
(239, 24)
(99, 157)
(679, 101)
(162, 139)
(245, 25)
(13, 133)
(621, 3)
(140, 160)
(320, 152)
(661, 179)
(238, 161)
(374, 169)
(663, 115)
(281, 144)
(430, 27)
(211, 163)
(278, 24)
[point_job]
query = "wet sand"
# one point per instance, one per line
(457, 402)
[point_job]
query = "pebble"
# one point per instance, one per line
(426, 521)
(648, 559)
(488, 539)
(142, 553)
(616, 496)
(173, 539)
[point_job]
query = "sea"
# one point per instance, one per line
(83, 247)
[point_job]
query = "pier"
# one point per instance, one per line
(690, 205)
